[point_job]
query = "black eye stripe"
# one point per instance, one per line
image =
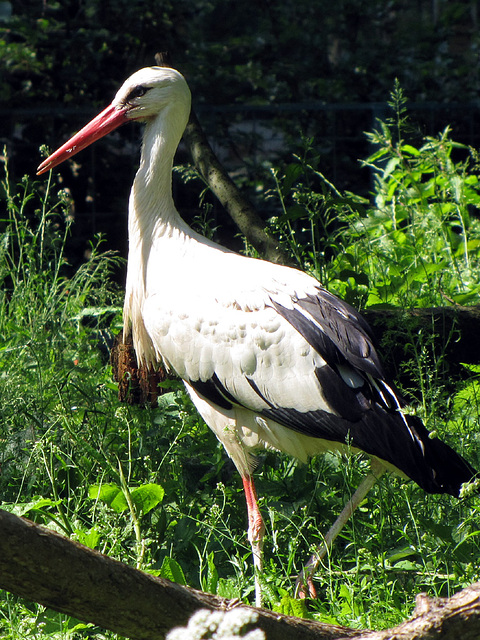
(137, 92)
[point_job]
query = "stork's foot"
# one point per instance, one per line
(304, 586)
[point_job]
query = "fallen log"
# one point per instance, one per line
(45, 567)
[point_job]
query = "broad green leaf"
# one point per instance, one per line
(400, 554)
(167, 400)
(111, 494)
(420, 273)
(291, 607)
(35, 505)
(471, 297)
(475, 368)
(147, 497)
(472, 245)
(407, 565)
(171, 570)
(399, 237)
(292, 172)
(119, 504)
(89, 538)
(228, 588)
(381, 153)
(467, 400)
(105, 492)
(112, 386)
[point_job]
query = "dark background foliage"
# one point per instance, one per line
(262, 75)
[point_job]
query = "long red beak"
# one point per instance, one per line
(107, 121)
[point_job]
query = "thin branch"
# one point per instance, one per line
(238, 207)
(231, 198)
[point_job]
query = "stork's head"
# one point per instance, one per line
(143, 96)
(148, 91)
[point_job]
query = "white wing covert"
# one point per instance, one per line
(295, 356)
(271, 348)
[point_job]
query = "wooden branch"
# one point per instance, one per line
(237, 206)
(43, 566)
(453, 329)
(455, 618)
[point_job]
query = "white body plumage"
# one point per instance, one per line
(269, 357)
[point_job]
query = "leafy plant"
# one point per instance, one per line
(416, 243)
(152, 487)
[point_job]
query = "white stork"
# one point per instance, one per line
(269, 357)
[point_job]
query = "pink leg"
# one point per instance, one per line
(304, 580)
(256, 529)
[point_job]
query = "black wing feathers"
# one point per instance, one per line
(343, 336)
(433, 465)
(368, 415)
(348, 402)
(364, 406)
(214, 391)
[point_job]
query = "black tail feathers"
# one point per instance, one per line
(404, 442)
(444, 470)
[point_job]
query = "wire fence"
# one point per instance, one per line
(247, 139)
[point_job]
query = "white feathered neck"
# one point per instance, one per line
(152, 214)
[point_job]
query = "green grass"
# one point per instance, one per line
(153, 488)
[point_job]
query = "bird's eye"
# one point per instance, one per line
(137, 92)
